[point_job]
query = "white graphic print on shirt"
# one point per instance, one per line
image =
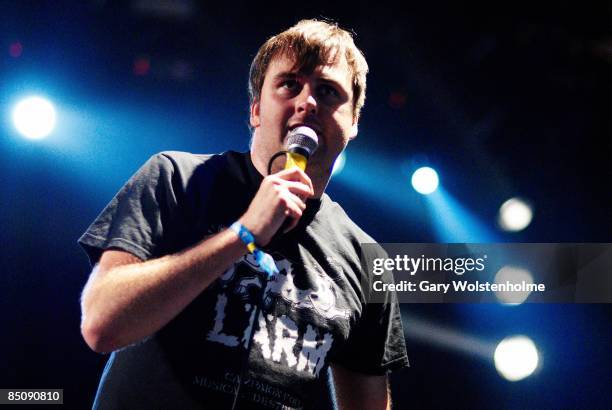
(276, 337)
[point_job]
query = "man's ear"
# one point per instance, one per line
(254, 119)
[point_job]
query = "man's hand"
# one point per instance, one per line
(279, 197)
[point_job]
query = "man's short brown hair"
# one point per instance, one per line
(311, 43)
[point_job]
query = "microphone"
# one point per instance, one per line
(301, 144)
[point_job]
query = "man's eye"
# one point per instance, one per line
(289, 84)
(327, 90)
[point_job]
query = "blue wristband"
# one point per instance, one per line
(265, 261)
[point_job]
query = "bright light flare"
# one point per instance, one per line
(516, 276)
(516, 357)
(425, 180)
(339, 164)
(34, 117)
(515, 215)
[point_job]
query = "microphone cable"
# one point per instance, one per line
(278, 154)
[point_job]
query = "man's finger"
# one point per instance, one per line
(295, 174)
(298, 188)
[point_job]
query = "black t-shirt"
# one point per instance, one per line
(279, 335)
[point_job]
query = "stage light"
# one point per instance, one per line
(15, 49)
(425, 180)
(514, 276)
(339, 164)
(516, 357)
(452, 221)
(34, 117)
(397, 100)
(455, 340)
(141, 66)
(514, 215)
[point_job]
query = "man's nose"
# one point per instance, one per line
(306, 101)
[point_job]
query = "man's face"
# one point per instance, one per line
(321, 100)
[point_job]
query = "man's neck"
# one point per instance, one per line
(319, 182)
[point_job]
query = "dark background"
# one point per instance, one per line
(502, 99)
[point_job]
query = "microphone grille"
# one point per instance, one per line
(303, 137)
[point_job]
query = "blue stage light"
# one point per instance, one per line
(516, 357)
(513, 275)
(34, 117)
(454, 222)
(425, 180)
(515, 215)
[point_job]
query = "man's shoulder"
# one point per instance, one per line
(188, 162)
(182, 158)
(342, 222)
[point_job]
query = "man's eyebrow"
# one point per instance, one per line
(332, 81)
(292, 75)
(296, 74)
(337, 85)
(285, 75)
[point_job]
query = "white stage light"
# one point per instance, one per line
(516, 357)
(425, 180)
(339, 164)
(514, 276)
(34, 117)
(515, 215)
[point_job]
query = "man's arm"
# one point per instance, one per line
(360, 391)
(126, 300)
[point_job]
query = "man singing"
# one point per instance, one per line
(232, 280)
